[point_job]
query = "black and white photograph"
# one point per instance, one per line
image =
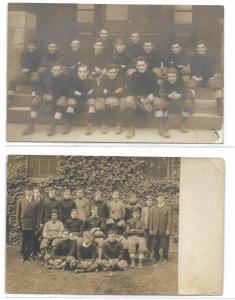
(115, 73)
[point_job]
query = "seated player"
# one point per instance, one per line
(155, 59)
(107, 42)
(75, 57)
(145, 214)
(116, 204)
(120, 57)
(176, 98)
(97, 60)
(86, 255)
(58, 86)
(62, 254)
(179, 60)
(203, 73)
(96, 225)
(131, 205)
(82, 205)
(110, 93)
(52, 233)
(134, 50)
(142, 91)
(118, 225)
(66, 205)
(74, 225)
(135, 231)
(113, 254)
(50, 58)
(82, 97)
(30, 62)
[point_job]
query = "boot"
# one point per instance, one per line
(29, 129)
(52, 129)
(140, 265)
(132, 262)
(163, 132)
(219, 107)
(130, 132)
(118, 129)
(183, 128)
(67, 128)
(104, 129)
(88, 130)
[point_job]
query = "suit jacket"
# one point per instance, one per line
(27, 213)
(160, 220)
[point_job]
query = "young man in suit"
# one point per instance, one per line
(160, 227)
(26, 221)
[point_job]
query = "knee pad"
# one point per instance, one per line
(192, 84)
(91, 102)
(100, 104)
(71, 102)
(186, 70)
(188, 104)
(70, 110)
(158, 72)
(61, 102)
(130, 102)
(159, 103)
(36, 101)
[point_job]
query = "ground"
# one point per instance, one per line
(14, 134)
(31, 277)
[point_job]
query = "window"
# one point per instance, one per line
(116, 12)
(183, 14)
(85, 13)
(42, 166)
(159, 168)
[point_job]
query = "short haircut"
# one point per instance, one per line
(54, 211)
(116, 210)
(119, 41)
(52, 43)
(98, 40)
(104, 28)
(171, 71)
(73, 210)
(32, 43)
(141, 58)
(148, 42)
(136, 210)
(175, 42)
(88, 234)
(111, 66)
(75, 40)
(94, 207)
(56, 64)
(112, 232)
(135, 31)
(65, 230)
(200, 42)
(82, 66)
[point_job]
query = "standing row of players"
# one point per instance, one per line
(119, 77)
(82, 236)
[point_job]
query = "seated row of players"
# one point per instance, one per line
(116, 77)
(104, 236)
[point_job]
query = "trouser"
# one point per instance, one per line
(27, 243)
(134, 241)
(128, 107)
(88, 265)
(157, 240)
(36, 241)
(148, 239)
(119, 265)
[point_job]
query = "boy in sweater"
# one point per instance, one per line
(131, 205)
(107, 42)
(86, 255)
(135, 231)
(116, 204)
(103, 209)
(74, 225)
(82, 97)
(134, 50)
(120, 57)
(113, 254)
(176, 98)
(110, 93)
(48, 205)
(52, 233)
(66, 205)
(203, 73)
(62, 254)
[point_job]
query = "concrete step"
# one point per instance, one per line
(205, 106)
(198, 121)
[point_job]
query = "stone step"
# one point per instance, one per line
(198, 121)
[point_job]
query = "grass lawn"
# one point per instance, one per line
(33, 278)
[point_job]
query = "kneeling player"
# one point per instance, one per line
(62, 254)
(176, 97)
(142, 91)
(111, 90)
(113, 254)
(83, 93)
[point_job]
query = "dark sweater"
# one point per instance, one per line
(74, 226)
(58, 86)
(177, 61)
(111, 86)
(86, 252)
(154, 58)
(46, 209)
(108, 47)
(64, 248)
(134, 50)
(103, 209)
(135, 227)
(65, 207)
(167, 88)
(115, 227)
(93, 222)
(49, 60)
(73, 58)
(129, 210)
(142, 84)
(203, 66)
(31, 60)
(97, 60)
(83, 86)
(121, 59)
(112, 250)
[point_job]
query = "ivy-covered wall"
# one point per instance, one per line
(89, 173)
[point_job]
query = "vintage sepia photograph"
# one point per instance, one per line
(115, 73)
(92, 225)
